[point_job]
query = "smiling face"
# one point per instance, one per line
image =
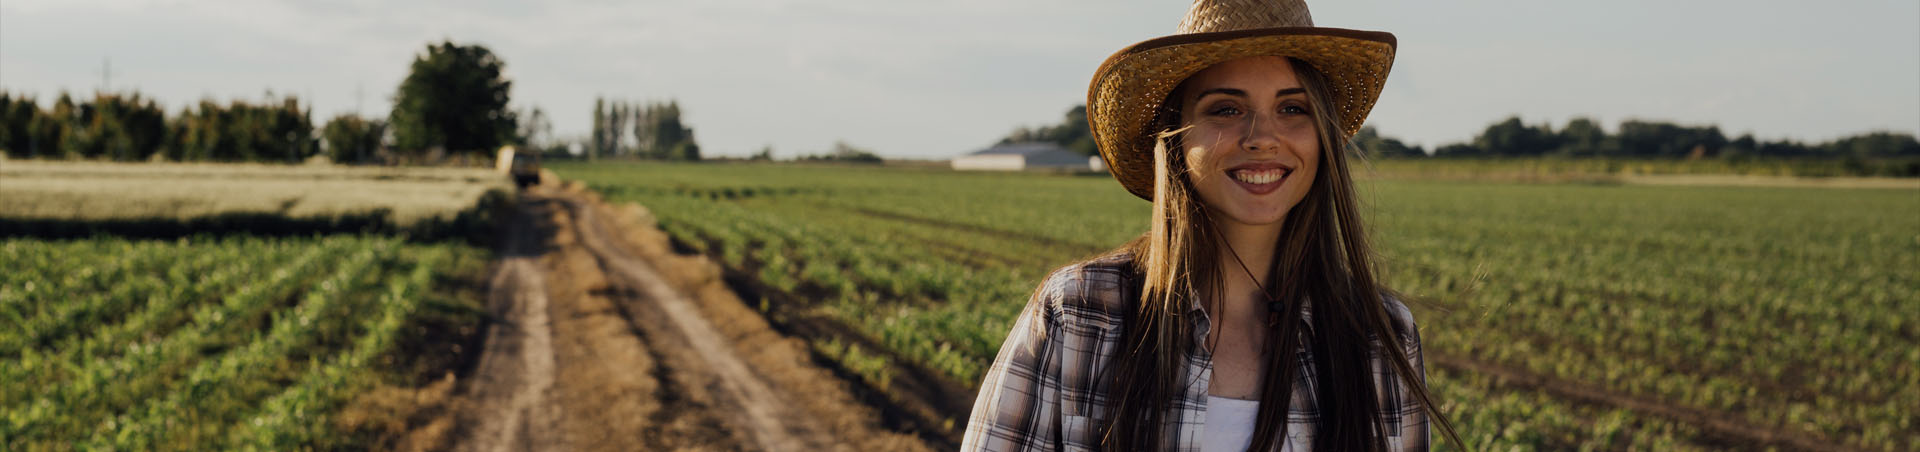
(1252, 150)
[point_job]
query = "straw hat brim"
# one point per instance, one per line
(1131, 84)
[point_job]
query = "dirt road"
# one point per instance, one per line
(608, 341)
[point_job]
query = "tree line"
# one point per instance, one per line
(1584, 137)
(1580, 138)
(650, 130)
(130, 127)
(454, 103)
(841, 152)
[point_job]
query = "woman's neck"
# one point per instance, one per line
(1254, 246)
(1237, 339)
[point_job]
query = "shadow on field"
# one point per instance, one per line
(474, 226)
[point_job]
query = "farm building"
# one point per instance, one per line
(1022, 156)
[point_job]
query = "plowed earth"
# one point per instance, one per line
(604, 339)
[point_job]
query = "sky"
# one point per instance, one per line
(936, 79)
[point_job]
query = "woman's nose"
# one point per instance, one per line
(1263, 133)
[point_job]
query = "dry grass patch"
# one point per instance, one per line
(102, 191)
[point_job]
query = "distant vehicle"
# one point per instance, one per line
(525, 170)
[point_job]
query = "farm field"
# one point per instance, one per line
(168, 200)
(1556, 316)
(210, 307)
(210, 344)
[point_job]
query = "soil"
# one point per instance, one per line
(605, 339)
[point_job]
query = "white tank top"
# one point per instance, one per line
(1230, 425)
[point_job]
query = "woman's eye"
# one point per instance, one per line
(1223, 111)
(1293, 110)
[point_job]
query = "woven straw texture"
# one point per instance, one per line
(1129, 87)
(1230, 15)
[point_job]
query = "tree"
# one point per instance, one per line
(843, 152)
(1743, 147)
(129, 127)
(18, 115)
(352, 139)
(598, 145)
(1459, 150)
(1513, 138)
(665, 137)
(617, 129)
(243, 132)
(1583, 137)
(1372, 144)
(454, 97)
(47, 128)
(1876, 144)
(1071, 133)
(1662, 139)
(658, 133)
(1786, 148)
(536, 131)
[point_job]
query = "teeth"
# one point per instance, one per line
(1258, 177)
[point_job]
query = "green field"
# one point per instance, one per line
(1669, 313)
(209, 344)
(235, 307)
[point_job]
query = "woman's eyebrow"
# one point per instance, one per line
(1227, 91)
(1242, 93)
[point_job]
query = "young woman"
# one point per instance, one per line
(1248, 316)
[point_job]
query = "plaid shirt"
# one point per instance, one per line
(1043, 391)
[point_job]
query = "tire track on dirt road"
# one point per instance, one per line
(603, 342)
(564, 367)
(761, 408)
(517, 368)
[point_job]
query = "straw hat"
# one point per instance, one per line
(1129, 87)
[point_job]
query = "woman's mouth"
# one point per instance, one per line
(1261, 179)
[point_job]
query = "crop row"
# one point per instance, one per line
(203, 344)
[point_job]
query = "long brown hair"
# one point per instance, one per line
(1323, 255)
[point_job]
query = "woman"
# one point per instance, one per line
(1248, 316)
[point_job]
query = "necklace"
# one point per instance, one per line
(1273, 305)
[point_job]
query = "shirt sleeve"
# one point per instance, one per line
(1415, 434)
(1018, 407)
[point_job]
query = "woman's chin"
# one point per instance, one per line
(1248, 209)
(1257, 216)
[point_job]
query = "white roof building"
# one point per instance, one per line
(1022, 156)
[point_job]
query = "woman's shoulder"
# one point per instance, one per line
(1098, 288)
(1402, 318)
(1398, 311)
